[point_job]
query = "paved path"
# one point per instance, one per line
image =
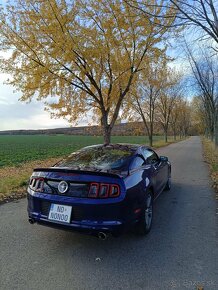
(179, 253)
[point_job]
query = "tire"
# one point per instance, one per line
(168, 184)
(144, 225)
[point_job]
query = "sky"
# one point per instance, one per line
(15, 114)
(19, 115)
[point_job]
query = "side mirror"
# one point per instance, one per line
(163, 158)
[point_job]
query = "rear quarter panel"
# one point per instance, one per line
(136, 185)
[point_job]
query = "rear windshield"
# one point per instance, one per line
(102, 158)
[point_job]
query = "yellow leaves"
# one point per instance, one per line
(82, 53)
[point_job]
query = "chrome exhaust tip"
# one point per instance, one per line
(102, 236)
(31, 221)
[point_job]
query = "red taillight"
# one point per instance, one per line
(37, 184)
(93, 190)
(103, 190)
(114, 190)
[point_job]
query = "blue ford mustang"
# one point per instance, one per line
(100, 190)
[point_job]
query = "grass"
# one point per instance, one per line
(20, 154)
(14, 180)
(211, 157)
(19, 149)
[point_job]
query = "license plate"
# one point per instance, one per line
(60, 213)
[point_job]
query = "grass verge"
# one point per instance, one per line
(14, 179)
(211, 157)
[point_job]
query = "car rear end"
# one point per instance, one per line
(91, 202)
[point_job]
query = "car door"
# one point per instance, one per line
(157, 167)
(136, 170)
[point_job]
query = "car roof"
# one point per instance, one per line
(121, 146)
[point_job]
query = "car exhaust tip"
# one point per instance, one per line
(31, 221)
(102, 236)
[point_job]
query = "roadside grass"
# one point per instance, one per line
(211, 157)
(14, 178)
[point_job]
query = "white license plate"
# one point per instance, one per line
(60, 213)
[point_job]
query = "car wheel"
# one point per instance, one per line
(143, 227)
(168, 185)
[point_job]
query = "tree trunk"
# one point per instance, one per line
(174, 135)
(106, 127)
(107, 134)
(216, 131)
(150, 140)
(165, 136)
(151, 133)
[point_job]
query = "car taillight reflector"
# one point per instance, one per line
(103, 190)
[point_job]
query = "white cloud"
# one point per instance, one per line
(17, 115)
(181, 65)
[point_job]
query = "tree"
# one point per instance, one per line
(184, 118)
(205, 72)
(78, 56)
(199, 119)
(154, 97)
(202, 14)
(170, 93)
(145, 95)
(174, 118)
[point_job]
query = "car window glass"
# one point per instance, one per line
(99, 157)
(150, 156)
(137, 162)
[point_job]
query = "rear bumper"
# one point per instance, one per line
(87, 218)
(92, 228)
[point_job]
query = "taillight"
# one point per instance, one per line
(103, 190)
(93, 190)
(37, 184)
(114, 190)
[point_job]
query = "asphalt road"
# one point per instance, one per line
(179, 253)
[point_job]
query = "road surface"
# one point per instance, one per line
(179, 253)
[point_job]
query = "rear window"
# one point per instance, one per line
(102, 158)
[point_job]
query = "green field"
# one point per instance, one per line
(17, 149)
(19, 154)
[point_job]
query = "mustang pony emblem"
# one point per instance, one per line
(62, 187)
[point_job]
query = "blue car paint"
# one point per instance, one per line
(112, 215)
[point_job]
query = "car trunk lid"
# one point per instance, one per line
(47, 180)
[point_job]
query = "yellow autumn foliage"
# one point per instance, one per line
(79, 56)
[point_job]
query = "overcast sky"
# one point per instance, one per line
(18, 115)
